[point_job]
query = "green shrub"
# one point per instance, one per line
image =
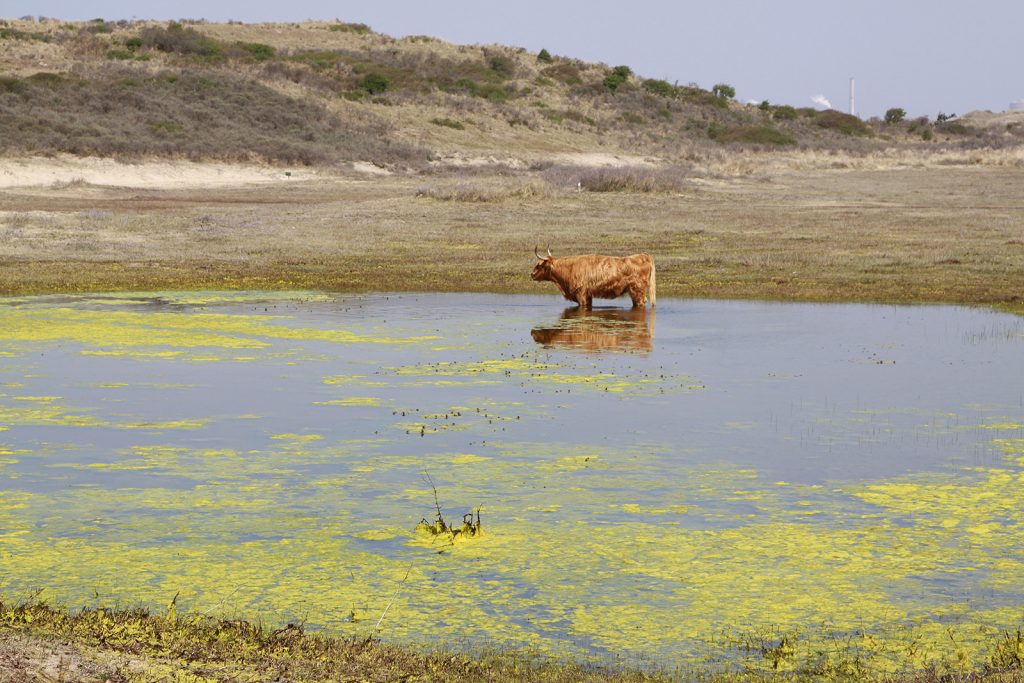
(578, 117)
(374, 83)
(10, 84)
(543, 82)
(178, 39)
(488, 91)
(919, 122)
(501, 64)
(895, 115)
(544, 56)
(632, 118)
(702, 97)
(47, 79)
(723, 90)
(954, 128)
(784, 112)
(927, 134)
(15, 34)
(167, 128)
(565, 72)
(847, 124)
(120, 54)
(659, 87)
(612, 81)
(319, 60)
(258, 51)
(757, 135)
(98, 26)
(448, 123)
(616, 77)
(361, 29)
(133, 43)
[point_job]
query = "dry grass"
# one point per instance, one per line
(40, 642)
(111, 645)
(940, 233)
(487, 190)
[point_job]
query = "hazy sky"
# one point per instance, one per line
(927, 57)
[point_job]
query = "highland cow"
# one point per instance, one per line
(584, 278)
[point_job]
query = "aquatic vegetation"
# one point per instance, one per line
(450, 533)
(628, 513)
(529, 370)
(170, 329)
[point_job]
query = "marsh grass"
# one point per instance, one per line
(38, 640)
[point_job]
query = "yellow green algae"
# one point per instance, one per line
(531, 370)
(244, 544)
(165, 331)
(590, 549)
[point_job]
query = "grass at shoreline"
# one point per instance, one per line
(928, 235)
(43, 642)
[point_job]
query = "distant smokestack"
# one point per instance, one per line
(853, 100)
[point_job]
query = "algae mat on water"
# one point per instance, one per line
(718, 483)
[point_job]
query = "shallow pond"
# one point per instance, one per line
(715, 482)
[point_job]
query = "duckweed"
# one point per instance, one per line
(643, 514)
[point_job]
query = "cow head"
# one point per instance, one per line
(542, 271)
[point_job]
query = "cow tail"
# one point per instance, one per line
(653, 287)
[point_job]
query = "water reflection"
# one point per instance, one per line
(599, 330)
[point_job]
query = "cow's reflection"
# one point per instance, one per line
(599, 330)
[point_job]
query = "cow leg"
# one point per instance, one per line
(584, 300)
(639, 298)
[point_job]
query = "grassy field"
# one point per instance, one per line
(951, 233)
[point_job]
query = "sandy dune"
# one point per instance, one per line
(64, 169)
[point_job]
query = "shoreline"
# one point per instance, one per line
(99, 643)
(939, 234)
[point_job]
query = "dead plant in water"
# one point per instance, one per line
(470, 527)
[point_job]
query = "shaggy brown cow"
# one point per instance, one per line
(584, 278)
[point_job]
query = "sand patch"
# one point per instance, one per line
(604, 159)
(66, 169)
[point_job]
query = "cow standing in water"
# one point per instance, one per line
(584, 278)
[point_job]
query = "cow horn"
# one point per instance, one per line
(549, 252)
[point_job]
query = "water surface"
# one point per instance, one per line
(682, 486)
